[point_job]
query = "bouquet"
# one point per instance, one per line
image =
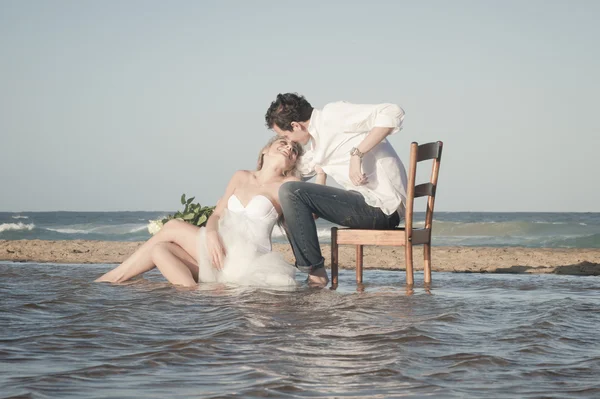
(195, 214)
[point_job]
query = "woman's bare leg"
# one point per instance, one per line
(175, 264)
(176, 231)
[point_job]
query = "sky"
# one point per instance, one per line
(125, 105)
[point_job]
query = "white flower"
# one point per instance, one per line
(154, 226)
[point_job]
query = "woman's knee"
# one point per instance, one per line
(171, 229)
(173, 224)
(158, 250)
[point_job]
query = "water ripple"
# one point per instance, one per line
(470, 335)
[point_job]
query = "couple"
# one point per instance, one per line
(345, 141)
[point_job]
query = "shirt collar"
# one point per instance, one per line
(312, 127)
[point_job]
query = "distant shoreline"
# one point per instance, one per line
(568, 261)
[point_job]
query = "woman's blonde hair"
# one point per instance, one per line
(296, 146)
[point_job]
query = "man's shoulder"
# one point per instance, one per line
(336, 105)
(335, 112)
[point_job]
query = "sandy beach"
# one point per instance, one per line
(572, 261)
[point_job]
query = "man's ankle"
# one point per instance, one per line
(318, 277)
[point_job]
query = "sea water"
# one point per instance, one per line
(468, 335)
(556, 230)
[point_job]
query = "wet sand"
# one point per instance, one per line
(573, 261)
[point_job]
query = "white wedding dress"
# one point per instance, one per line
(246, 234)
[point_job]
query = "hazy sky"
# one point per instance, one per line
(124, 105)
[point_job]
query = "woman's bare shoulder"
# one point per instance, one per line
(242, 175)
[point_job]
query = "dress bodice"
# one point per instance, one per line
(246, 236)
(259, 216)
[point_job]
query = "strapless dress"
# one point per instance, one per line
(246, 234)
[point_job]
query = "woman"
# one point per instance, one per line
(235, 245)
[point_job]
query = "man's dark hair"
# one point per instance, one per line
(288, 108)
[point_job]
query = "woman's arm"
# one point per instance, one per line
(215, 247)
(213, 220)
(320, 179)
(321, 176)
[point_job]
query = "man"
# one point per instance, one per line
(347, 142)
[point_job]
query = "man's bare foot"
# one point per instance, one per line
(318, 277)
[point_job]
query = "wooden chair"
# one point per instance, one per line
(406, 236)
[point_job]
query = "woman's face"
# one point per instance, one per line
(284, 149)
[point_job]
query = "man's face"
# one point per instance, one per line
(298, 134)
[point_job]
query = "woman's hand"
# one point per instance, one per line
(357, 177)
(321, 179)
(216, 249)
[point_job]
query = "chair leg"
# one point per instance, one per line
(427, 263)
(409, 263)
(334, 257)
(359, 263)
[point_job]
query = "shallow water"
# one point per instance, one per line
(472, 335)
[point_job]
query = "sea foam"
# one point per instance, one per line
(16, 226)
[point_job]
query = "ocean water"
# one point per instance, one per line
(468, 335)
(556, 230)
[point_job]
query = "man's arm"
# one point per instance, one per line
(375, 136)
(380, 120)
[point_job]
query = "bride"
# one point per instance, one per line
(235, 245)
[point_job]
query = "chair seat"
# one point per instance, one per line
(395, 237)
(371, 237)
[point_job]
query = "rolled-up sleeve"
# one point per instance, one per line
(389, 115)
(352, 118)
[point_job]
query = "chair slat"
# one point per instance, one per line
(421, 236)
(371, 237)
(428, 151)
(424, 189)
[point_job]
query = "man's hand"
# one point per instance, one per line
(216, 249)
(357, 177)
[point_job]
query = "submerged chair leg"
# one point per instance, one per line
(359, 263)
(334, 257)
(427, 263)
(409, 263)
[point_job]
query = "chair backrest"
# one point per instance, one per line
(420, 153)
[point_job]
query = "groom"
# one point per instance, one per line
(347, 142)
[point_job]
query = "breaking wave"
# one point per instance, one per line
(16, 227)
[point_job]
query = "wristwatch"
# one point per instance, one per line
(355, 151)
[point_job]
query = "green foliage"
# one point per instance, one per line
(195, 214)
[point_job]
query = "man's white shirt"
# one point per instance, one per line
(339, 127)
